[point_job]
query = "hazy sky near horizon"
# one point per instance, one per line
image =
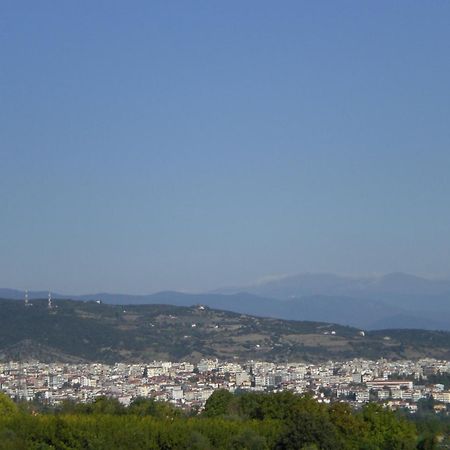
(196, 144)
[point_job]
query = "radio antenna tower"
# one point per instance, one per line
(50, 305)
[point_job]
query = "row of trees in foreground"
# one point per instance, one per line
(250, 421)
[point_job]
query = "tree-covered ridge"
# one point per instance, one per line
(88, 331)
(250, 421)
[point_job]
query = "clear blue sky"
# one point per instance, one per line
(195, 144)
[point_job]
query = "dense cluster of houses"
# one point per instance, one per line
(398, 384)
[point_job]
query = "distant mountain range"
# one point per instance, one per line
(81, 331)
(292, 286)
(395, 300)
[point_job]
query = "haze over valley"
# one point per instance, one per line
(395, 300)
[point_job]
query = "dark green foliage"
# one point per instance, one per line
(441, 378)
(149, 407)
(7, 406)
(428, 441)
(304, 428)
(198, 441)
(247, 421)
(219, 404)
(249, 440)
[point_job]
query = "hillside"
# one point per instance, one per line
(89, 331)
(378, 302)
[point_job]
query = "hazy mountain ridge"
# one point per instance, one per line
(382, 301)
(391, 301)
(306, 284)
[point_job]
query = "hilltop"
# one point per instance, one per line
(394, 300)
(91, 331)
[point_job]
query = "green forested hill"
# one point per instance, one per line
(88, 331)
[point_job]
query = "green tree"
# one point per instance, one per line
(306, 428)
(219, 403)
(7, 406)
(198, 441)
(249, 440)
(388, 431)
(150, 407)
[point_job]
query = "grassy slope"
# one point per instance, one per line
(78, 331)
